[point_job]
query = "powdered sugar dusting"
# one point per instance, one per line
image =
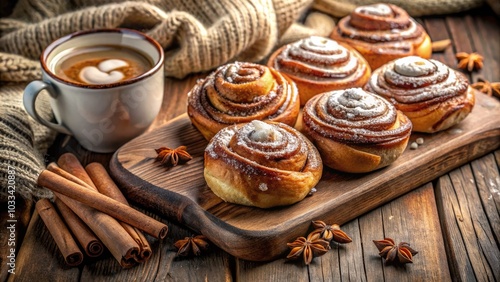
(354, 116)
(319, 58)
(442, 82)
(222, 137)
(263, 187)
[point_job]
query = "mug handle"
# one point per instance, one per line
(29, 98)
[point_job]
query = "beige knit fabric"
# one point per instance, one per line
(23, 143)
(197, 35)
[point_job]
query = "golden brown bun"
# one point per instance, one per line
(355, 131)
(239, 93)
(318, 64)
(432, 95)
(382, 33)
(262, 164)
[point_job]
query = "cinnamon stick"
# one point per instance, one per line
(102, 203)
(108, 230)
(441, 45)
(61, 234)
(119, 243)
(92, 246)
(70, 163)
(107, 186)
(58, 170)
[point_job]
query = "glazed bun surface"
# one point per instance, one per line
(356, 131)
(434, 96)
(382, 33)
(318, 64)
(239, 93)
(262, 164)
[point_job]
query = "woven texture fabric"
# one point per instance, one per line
(197, 35)
(22, 144)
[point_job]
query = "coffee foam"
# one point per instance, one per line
(104, 73)
(106, 64)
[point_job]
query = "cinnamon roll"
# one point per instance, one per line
(382, 33)
(241, 92)
(434, 96)
(317, 64)
(356, 131)
(262, 164)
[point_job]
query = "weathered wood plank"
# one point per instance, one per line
(470, 245)
(212, 265)
(413, 218)
(485, 35)
(487, 178)
(438, 30)
(277, 270)
(372, 228)
(351, 255)
(459, 33)
(344, 262)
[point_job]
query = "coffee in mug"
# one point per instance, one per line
(101, 64)
(105, 86)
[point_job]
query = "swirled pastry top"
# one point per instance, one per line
(413, 83)
(261, 164)
(241, 92)
(381, 23)
(261, 147)
(354, 116)
(319, 58)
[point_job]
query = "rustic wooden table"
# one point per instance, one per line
(453, 221)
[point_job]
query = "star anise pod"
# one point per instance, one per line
(489, 88)
(172, 157)
(191, 245)
(331, 232)
(392, 253)
(308, 248)
(468, 61)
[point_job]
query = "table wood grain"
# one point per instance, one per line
(453, 221)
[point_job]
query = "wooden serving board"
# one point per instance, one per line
(180, 193)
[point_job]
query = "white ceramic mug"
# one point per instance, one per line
(102, 117)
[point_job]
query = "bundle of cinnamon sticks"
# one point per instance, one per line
(94, 213)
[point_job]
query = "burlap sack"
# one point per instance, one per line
(197, 35)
